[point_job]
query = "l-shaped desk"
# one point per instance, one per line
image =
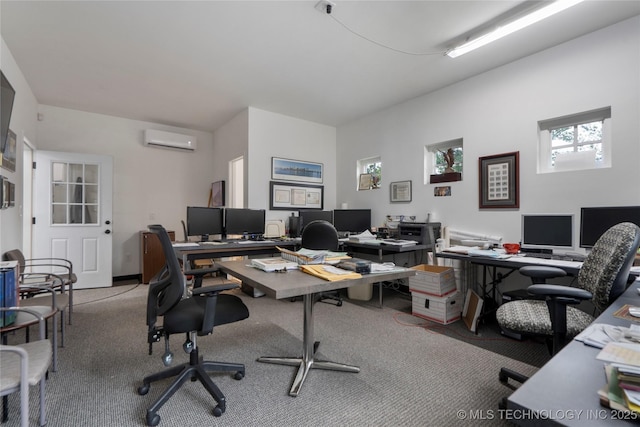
(189, 252)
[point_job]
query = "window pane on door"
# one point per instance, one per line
(75, 193)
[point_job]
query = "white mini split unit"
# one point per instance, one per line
(176, 141)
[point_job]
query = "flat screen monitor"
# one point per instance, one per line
(352, 220)
(244, 221)
(307, 216)
(7, 94)
(204, 222)
(595, 221)
(547, 231)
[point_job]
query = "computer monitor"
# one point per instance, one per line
(546, 232)
(312, 215)
(248, 222)
(352, 220)
(594, 221)
(203, 222)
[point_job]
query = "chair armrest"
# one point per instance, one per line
(215, 289)
(201, 271)
(36, 281)
(558, 291)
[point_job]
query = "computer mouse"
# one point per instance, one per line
(634, 311)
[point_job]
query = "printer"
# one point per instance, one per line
(419, 231)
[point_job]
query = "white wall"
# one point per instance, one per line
(150, 185)
(231, 141)
(275, 135)
(23, 124)
(497, 112)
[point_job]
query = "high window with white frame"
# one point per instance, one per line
(438, 157)
(370, 166)
(575, 142)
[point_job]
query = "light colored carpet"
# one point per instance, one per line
(408, 377)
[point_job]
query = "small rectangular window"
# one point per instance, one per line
(575, 142)
(443, 157)
(371, 166)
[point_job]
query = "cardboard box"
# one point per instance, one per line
(443, 310)
(433, 280)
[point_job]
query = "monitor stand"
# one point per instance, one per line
(204, 238)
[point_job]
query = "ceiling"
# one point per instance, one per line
(196, 64)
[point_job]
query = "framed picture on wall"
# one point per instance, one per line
(217, 194)
(365, 181)
(400, 192)
(9, 153)
(296, 170)
(287, 196)
(499, 181)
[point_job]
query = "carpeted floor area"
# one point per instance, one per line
(412, 373)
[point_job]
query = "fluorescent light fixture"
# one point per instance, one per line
(513, 26)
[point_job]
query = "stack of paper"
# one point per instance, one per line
(398, 242)
(308, 256)
(362, 237)
(274, 264)
(622, 391)
(329, 272)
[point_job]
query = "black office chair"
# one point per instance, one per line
(604, 275)
(195, 315)
(322, 235)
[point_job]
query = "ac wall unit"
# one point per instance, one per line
(158, 138)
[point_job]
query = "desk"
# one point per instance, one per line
(569, 382)
(512, 264)
(375, 247)
(229, 249)
(295, 283)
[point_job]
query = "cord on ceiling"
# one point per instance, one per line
(329, 10)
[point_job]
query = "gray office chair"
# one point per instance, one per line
(62, 269)
(602, 278)
(194, 315)
(24, 365)
(322, 235)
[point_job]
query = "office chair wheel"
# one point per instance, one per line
(143, 389)
(503, 377)
(238, 376)
(217, 411)
(339, 304)
(153, 419)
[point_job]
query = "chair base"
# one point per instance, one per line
(195, 369)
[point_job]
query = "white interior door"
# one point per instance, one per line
(72, 209)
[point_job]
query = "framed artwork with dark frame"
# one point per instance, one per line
(400, 192)
(288, 196)
(296, 170)
(499, 181)
(217, 194)
(9, 153)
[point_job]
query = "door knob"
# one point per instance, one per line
(107, 222)
(107, 231)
